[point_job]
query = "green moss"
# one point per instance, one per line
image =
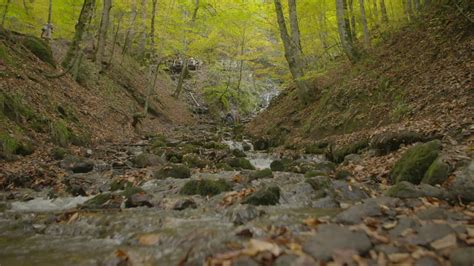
(81, 140)
(319, 183)
(314, 173)
(265, 196)
(343, 174)
(387, 142)
(238, 153)
(403, 190)
(265, 173)
(339, 154)
(25, 148)
(39, 48)
(278, 166)
(206, 187)
(130, 191)
(58, 153)
(193, 160)
(60, 134)
(240, 163)
(415, 162)
(224, 166)
(317, 148)
(98, 201)
(175, 171)
(120, 185)
(9, 144)
(437, 173)
(14, 108)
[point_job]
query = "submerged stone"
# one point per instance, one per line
(265, 196)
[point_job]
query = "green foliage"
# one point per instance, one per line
(175, 171)
(415, 162)
(206, 187)
(59, 153)
(9, 144)
(60, 134)
(437, 174)
(39, 48)
(240, 163)
(265, 173)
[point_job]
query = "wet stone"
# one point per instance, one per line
(265, 196)
(370, 208)
(431, 232)
(462, 257)
(333, 237)
(427, 261)
(243, 213)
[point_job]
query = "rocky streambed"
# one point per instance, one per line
(198, 199)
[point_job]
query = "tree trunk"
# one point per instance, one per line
(409, 9)
(344, 30)
(130, 34)
(182, 75)
(241, 66)
(112, 53)
(417, 5)
(292, 45)
(102, 40)
(152, 28)
(353, 21)
(383, 9)
(142, 44)
(376, 11)
(81, 26)
(5, 12)
(364, 24)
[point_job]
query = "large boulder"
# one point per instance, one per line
(147, 159)
(415, 162)
(407, 190)
(462, 257)
(437, 174)
(462, 186)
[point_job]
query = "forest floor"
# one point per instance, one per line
(380, 174)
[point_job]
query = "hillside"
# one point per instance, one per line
(42, 110)
(418, 78)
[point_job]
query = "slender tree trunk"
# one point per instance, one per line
(142, 44)
(50, 12)
(130, 34)
(343, 28)
(353, 20)
(364, 24)
(293, 52)
(241, 66)
(5, 12)
(81, 26)
(383, 10)
(409, 9)
(102, 40)
(417, 5)
(152, 28)
(376, 10)
(117, 30)
(182, 75)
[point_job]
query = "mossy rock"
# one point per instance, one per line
(206, 187)
(319, 183)
(278, 166)
(214, 145)
(25, 148)
(120, 185)
(343, 174)
(189, 148)
(240, 163)
(317, 148)
(147, 159)
(387, 142)
(238, 153)
(339, 154)
(259, 174)
(193, 160)
(438, 173)
(129, 191)
(403, 190)
(178, 171)
(158, 143)
(265, 197)
(261, 145)
(315, 173)
(224, 166)
(10, 145)
(81, 140)
(39, 48)
(415, 162)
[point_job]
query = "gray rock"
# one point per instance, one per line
(407, 190)
(352, 158)
(243, 214)
(437, 214)
(325, 203)
(244, 261)
(430, 232)
(139, 200)
(427, 261)
(344, 192)
(77, 165)
(462, 257)
(83, 184)
(147, 159)
(332, 237)
(463, 185)
(387, 249)
(369, 208)
(183, 204)
(292, 260)
(403, 225)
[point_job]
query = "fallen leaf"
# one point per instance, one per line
(398, 257)
(256, 246)
(390, 225)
